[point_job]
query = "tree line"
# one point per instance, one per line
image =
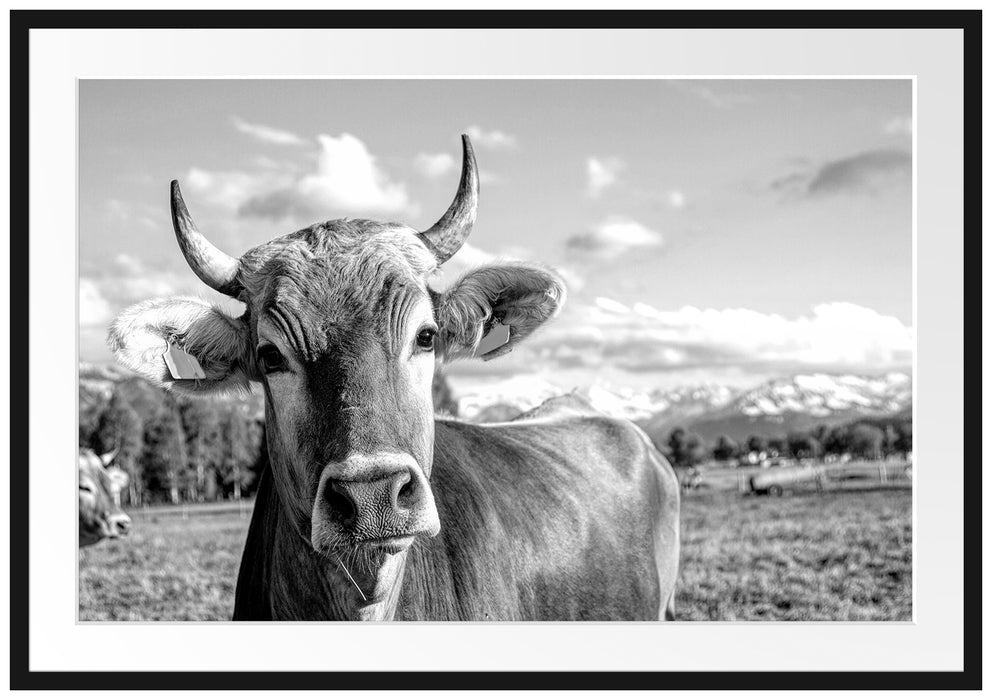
(865, 439)
(175, 448)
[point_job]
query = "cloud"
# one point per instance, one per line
(865, 172)
(614, 237)
(676, 199)
(898, 126)
(94, 309)
(493, 139)
(267, 134)
(870, 172)
(611, 306)
(641, 338)
(434, 165)
(231, 189)
(347, 180)
(602, 173)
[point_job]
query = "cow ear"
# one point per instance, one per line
(521, 297)
(118, 478)
(142, 334)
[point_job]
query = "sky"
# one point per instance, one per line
(709, 231)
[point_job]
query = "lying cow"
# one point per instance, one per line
(373, 508)
(100, 515)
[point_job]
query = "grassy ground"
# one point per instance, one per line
(167, 569)
(839, 555)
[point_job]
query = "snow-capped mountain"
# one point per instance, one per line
(823, 394)
(775, 407)
(493, 401)
(803, 402)
(508, 398)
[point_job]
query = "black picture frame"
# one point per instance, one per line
(22, 678)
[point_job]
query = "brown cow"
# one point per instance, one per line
(373, 508)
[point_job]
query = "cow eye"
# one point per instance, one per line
(425, 338)
(86, 488)
(271, 359)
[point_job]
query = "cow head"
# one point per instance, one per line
(342, 329)
(100, 515)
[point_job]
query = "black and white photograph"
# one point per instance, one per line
(531, 350)
(495, 350)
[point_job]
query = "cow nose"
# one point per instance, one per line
(121, 524)
(394, 494)
(374, 499)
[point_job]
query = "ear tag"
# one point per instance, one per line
(181, 364)
(497, 337)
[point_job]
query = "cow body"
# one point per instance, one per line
(565, 514)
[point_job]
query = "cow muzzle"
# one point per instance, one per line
(118, 525)
(382, 501)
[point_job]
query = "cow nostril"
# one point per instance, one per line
(339, 502)
(403, 490)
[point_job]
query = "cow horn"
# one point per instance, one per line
(216, 268)
(446, 236)
(108, 457)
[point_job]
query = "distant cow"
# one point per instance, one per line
(373, 508)
(100, 515)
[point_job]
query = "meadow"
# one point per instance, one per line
(840, 554)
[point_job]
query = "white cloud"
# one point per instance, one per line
(492, 139)
(839, 332)
(434, 165)
(267, 134)
(347, 180)
(676, 199)
(613, 237)
(602, 173)
(230, 189)
(94, 309)
(898, 126)
(611, 305)
(640, 337)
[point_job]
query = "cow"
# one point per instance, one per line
(100, 514)
(372, 507)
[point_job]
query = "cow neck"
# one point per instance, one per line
(308, 586)
(381, 587)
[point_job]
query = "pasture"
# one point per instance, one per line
(836, 555)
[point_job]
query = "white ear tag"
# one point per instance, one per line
(498, 336)
(181, 364)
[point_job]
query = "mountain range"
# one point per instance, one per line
(774, 408)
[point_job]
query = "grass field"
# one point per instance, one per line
(837, 555)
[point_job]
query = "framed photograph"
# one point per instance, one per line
(544, 350)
